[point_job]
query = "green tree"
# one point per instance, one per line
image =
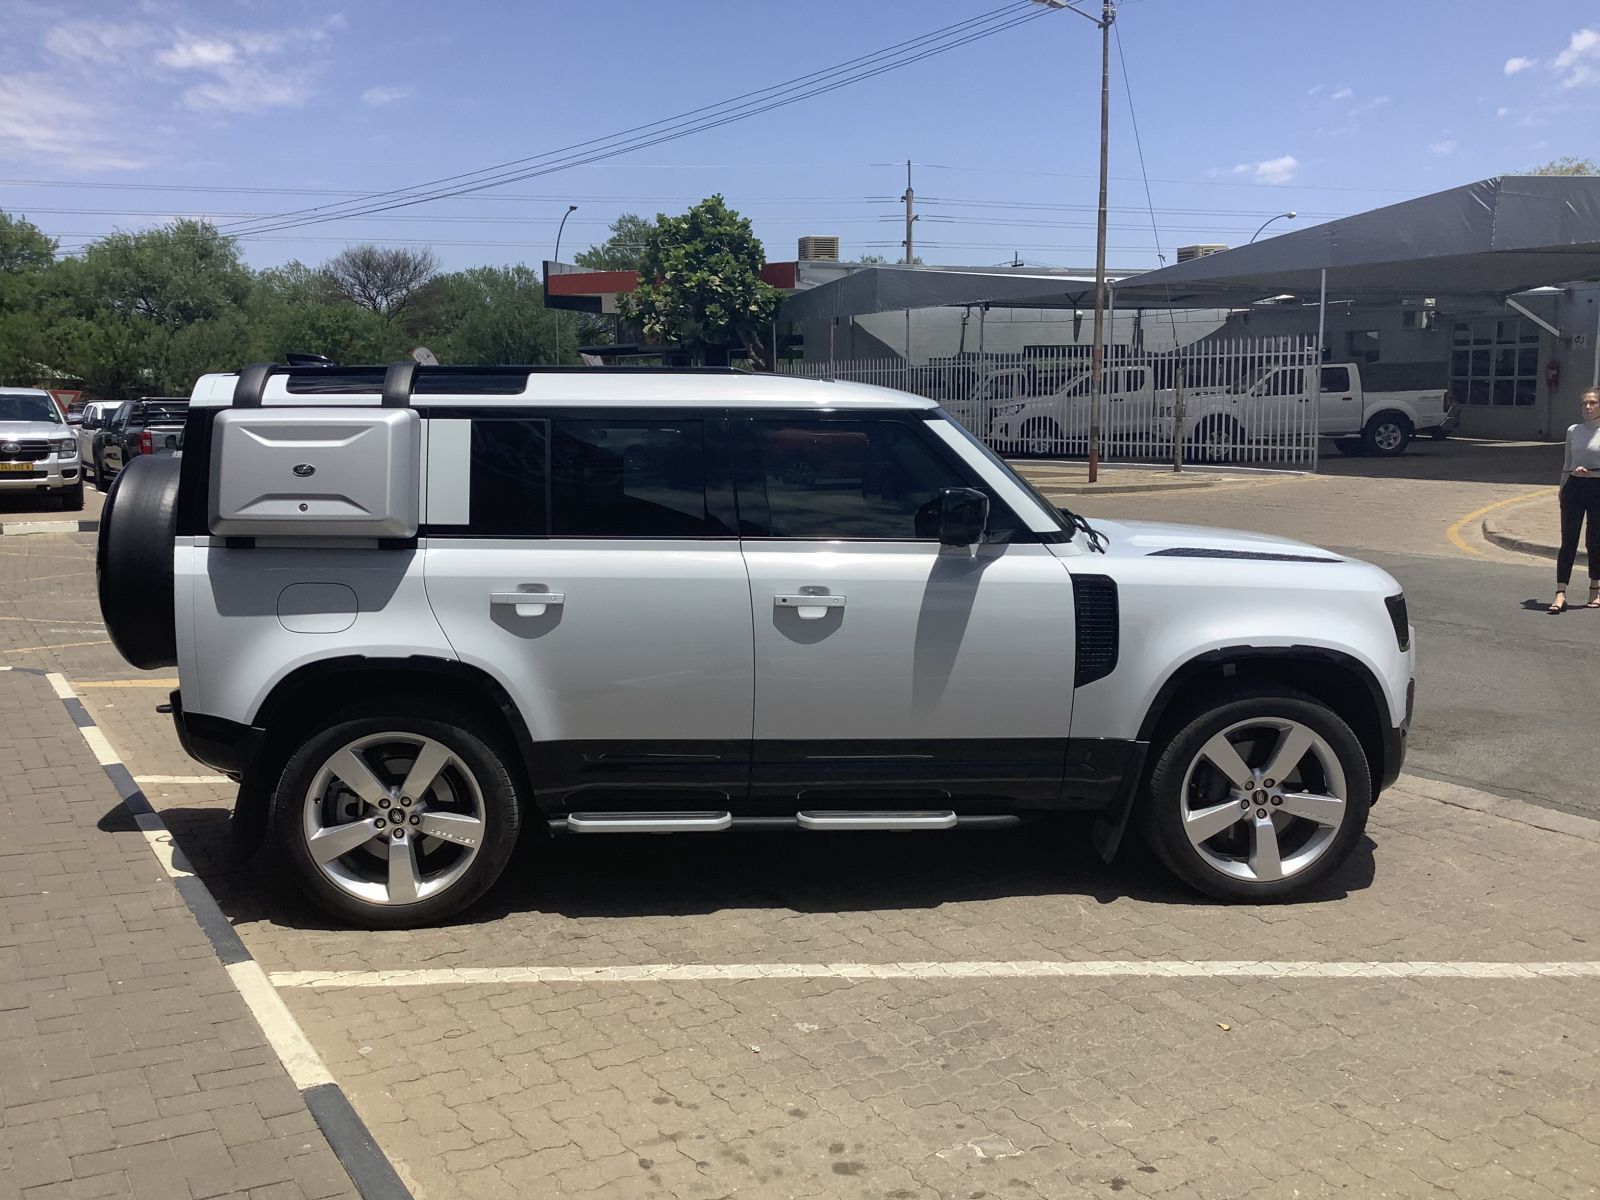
(173, 276)
(493, 315)
(1567, 166)
(27, 265)
(624, 249)
(700, 283)
(297, 308)
(388, 281)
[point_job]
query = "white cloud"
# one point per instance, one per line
(96, 42)
(377, 97)
(1272, 170)
(1315, 88)
(1502, 112)
(1344, 93)
(1580, 60)
(1444, 148)
(1367, 106)
(190, 53)
(41, 120)
(1519, 63)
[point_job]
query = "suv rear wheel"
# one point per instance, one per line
(1258, 797)
(396, 820)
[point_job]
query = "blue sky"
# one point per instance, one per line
(236, 108)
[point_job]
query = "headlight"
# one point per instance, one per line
(65, 448)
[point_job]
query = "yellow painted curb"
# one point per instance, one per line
(1453, 534)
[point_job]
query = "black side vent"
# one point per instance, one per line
(1251, 555)
(1094, 599)
(1399, 619)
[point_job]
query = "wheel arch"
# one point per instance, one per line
(1392, 410)
(1339, 680)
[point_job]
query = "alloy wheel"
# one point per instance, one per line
(393, 818)
(1264, 799)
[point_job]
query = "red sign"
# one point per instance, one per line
(64, 398)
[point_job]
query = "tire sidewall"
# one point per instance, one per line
(481, 754)
(1162, 799)
(1370, 435)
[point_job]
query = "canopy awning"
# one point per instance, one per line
(1492, 238)
(889, 289)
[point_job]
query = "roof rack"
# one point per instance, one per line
(399, 381)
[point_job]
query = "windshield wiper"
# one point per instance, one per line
(1080, 524)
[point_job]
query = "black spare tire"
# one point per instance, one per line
(133, 562)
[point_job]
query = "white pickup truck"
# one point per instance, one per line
(1366, 408)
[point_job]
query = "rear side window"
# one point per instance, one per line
(873, 480)
(580, 477)
(1336, 379)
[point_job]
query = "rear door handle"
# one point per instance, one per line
(809, 608)
(529, 604)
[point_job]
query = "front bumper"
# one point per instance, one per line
(48, 475)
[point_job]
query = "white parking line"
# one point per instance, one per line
(180, 779)
(1094, 969)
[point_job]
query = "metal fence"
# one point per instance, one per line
(1238, 400)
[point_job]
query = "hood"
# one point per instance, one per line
(32, 431)
(1136, 539)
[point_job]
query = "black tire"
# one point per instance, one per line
(1217, 440)
(480, 753)
(1039, 431)
(1178, 750)
(1351, 446)
(1387, 435)
(101, 482)
(72, 497)
(133, 562)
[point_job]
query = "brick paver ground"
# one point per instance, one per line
(129, 1066)
(915, 1089)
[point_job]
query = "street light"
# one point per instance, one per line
(1097, 362)
(571, 208)
(1288, 216)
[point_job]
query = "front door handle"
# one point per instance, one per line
(809, 608)
(529, 604)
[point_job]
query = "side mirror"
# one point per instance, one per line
(74, 418)
(963, 516)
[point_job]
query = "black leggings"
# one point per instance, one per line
(1580, 497)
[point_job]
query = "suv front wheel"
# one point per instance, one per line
(398, 820)
(1257, 796)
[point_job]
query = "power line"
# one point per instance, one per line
(792, 92)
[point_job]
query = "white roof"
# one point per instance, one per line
(22, 391)
(620, 388)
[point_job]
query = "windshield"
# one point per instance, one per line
(17, 407)
(1051, 509)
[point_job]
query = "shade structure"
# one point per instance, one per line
(889, 289)
(1492, 238)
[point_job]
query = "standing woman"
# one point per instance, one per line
(1580, 498)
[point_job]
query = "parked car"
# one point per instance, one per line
(1373, 408)
(414, 611)
(148, 426)
(1132, 404)
(38, 449)
(92, 417)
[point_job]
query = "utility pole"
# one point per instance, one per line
(1097, 364)
(911, 216)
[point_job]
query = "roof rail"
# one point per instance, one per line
(398, 382)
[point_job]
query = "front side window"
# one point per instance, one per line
(16, 407)
(868, 479)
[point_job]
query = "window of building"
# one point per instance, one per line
(869, 479)
(1495, 361)
(1361, 345)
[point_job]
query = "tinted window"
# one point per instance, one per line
(579, 477)
(1289, 382)
(851, 479)
(1336, 379)
(508, 480)
(15, 406)
(633, 479)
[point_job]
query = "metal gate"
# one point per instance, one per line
(1221, 400)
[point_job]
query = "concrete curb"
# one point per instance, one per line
(1510, 541)
(1112, 489)
(19, 528)
(1523, 812)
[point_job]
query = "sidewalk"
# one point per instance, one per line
(1072, 478)
(129, 1064)
(1531, 527)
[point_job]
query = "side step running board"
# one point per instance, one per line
(876, 820)
(648, 822)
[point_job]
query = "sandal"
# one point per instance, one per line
(1558, 605)
(1594, 595)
